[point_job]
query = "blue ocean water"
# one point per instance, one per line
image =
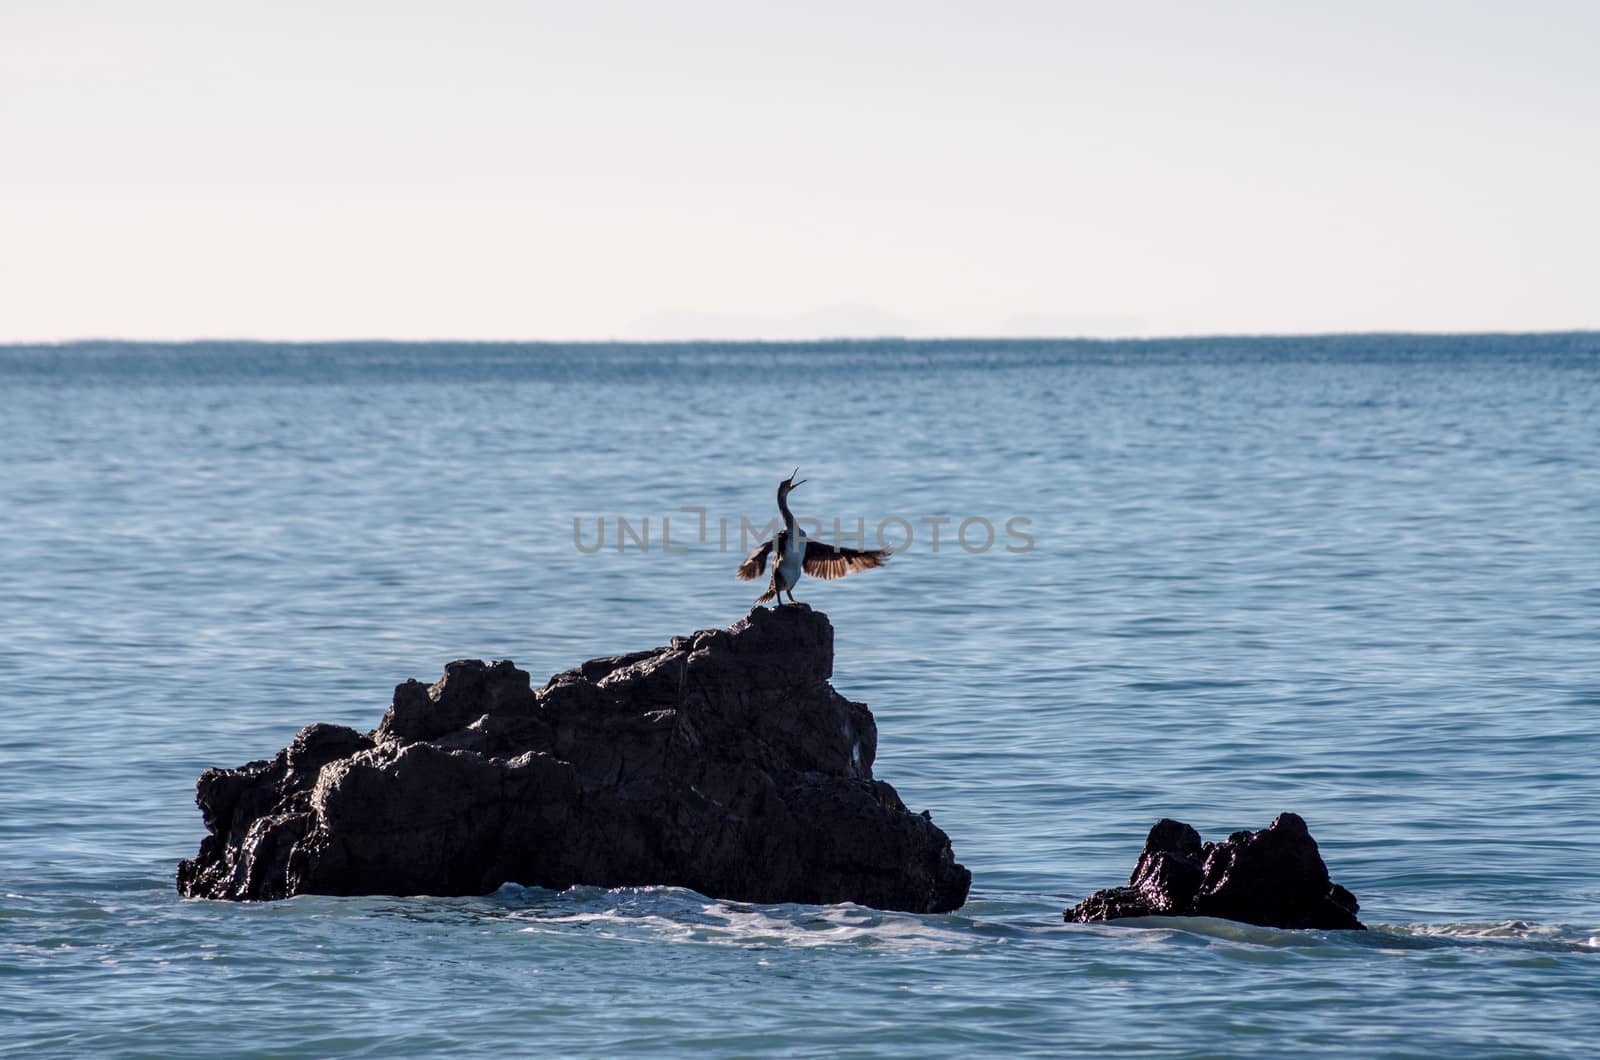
(1353, 577)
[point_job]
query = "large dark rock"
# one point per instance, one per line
(724, 762)
(1274, 877)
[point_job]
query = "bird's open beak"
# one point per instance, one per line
(792, 482)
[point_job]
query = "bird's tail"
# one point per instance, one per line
(768, 595)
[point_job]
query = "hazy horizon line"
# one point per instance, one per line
(817, 340)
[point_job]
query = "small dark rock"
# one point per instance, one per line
(1274, 877)
(724, 762)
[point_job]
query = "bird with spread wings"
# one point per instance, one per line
(792, 554)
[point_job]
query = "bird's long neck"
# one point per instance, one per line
(788, 516)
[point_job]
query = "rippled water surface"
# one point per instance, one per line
(1356, 578)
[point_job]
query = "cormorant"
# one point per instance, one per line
(797, 555)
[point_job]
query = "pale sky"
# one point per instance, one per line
(532, 170)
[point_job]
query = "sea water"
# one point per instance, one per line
(1353, 577)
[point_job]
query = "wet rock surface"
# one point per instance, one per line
(1275, 878)
(724, 762)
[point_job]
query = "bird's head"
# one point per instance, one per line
(788, 484)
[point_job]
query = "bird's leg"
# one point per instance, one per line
(792, 600)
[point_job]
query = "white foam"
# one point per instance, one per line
(1504, 929)
(742, 925)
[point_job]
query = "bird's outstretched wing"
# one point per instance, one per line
(831, 561)
(755, 562)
